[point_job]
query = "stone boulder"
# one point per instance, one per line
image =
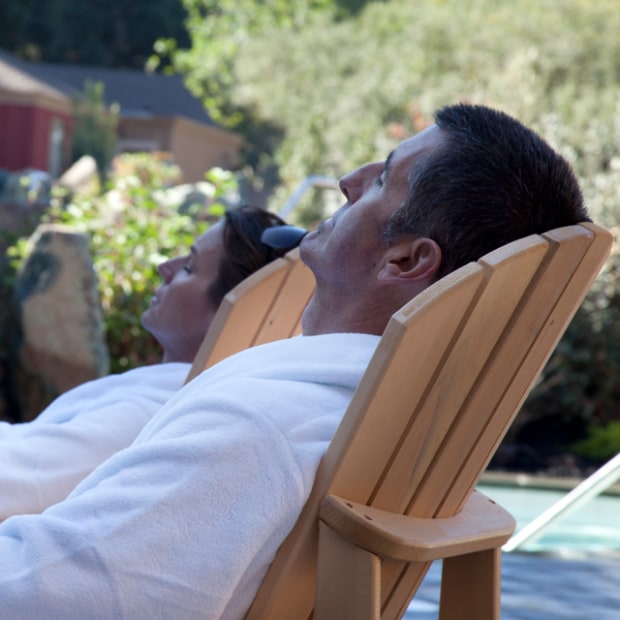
(62, 339)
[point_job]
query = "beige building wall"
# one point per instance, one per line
(194, 147)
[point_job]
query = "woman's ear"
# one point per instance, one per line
(413, 260)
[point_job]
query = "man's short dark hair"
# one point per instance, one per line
(492, 181)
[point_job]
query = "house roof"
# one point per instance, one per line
(138, 93)
(15, 78)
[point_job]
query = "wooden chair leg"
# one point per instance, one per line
(470, 586)
(348, 579)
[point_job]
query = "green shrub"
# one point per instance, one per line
(579, 389)
(602, 443)
(94, 128)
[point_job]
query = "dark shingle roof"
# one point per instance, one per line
(138, 93)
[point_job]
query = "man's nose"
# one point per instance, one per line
(166, 270)
(354, 184)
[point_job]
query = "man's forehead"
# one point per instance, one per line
(426, 140)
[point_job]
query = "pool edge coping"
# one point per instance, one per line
(540, 481)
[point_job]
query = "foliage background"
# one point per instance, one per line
(111, 33)
(347, 86)
(346, 81)
(321, 86)
(133, 228)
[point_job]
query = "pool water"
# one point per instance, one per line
(593, 527)
(539, 587)
(571, 573)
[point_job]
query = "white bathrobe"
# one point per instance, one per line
(184, 523)
(42, 461)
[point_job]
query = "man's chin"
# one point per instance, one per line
(325, 225)
(319, 231)
(306, 247)
(145, 319)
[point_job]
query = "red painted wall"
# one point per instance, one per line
(25, 136)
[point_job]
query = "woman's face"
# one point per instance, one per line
(181, 310)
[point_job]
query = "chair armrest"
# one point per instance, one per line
(481, 524)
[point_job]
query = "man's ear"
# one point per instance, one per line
(417, 259)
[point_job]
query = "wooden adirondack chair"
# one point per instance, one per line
(395, 490)
(266, 306)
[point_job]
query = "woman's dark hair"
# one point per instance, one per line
(244, 252)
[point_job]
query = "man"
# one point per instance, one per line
(43, 460)
(468, 184)
(184, 523)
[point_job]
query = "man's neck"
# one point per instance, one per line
(323, 318)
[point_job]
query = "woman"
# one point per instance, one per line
(43, 460)
(185, 304)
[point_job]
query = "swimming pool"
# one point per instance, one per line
(572, 571)
(592, 528)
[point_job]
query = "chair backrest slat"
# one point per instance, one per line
(573, 260)
(422, 443)
(266, 306)
(284, 317)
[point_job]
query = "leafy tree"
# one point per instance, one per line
(94, 128)
(24, 25)
(219, 32)
(111, 33)
(366, 82)
(220, 28)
